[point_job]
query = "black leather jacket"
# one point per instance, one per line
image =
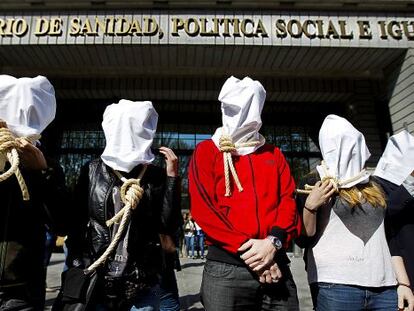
(157, 212)
(22, 227)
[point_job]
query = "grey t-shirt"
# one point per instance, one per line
(350, 247)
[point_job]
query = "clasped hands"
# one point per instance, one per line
(259, 256)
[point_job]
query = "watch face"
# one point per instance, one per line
(278, 243)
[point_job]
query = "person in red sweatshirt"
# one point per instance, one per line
(241, 194)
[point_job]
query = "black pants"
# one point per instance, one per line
(22, 298)
(227, 287)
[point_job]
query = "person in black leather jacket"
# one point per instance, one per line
(157, 213)
(22, 223)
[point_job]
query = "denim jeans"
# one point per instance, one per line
(340, 297)
(168, 301)
(189, 244)
(50, 242)
(168, 291)
(147, 300)
(227, 287)
(200, 242)
(65, 251)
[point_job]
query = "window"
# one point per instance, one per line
(77, 148)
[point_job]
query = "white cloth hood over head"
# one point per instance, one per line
(129, 129)
(28, 105)
(344, 152)
(397, 161)
(241, 106)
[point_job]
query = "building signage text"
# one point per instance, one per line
(190, 28)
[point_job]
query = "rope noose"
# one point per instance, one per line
(131, 194)
(8, 151)
(226, 146)
(337, 183)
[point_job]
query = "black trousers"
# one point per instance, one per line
(227, 287)
(22, 298)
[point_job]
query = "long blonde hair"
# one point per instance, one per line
(370, 193)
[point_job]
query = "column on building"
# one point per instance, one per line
(401, 93)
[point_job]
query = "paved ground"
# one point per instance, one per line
(189, 279)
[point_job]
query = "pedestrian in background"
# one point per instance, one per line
(189, 235)
(180, 237)
(199, 241)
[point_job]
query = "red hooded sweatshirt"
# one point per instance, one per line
(265, 206)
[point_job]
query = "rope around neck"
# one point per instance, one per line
(8, 151)
(226, 146)
(131, 194)
(337, 183)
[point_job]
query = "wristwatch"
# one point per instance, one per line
(275, 241)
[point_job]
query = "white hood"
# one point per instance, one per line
(344, 152)
(129, 129)
(241, 106)
(28, 105)
(397, 161)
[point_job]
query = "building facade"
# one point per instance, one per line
(353, 58)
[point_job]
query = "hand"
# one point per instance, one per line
(3, 123)
(320, 193)
(76, 263)
(30, 156)
(405, 294)
(271, 275)
(259, 253)
(412, 173)
(171, 161)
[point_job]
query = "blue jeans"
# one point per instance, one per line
(340, 297)
(147, 300)
(189, 244)
(169, 300)
(50, 242)
(168, 291)
(65, 251)
(200, 242)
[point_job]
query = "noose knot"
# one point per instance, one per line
(334, 181)
(9, 145)
(7, 140)
(131, 192)
(226, 144)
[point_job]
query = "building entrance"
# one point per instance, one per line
(303, 85)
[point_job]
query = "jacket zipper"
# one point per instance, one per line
(255, 195)
(109, 193)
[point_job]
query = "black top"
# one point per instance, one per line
(23, 224)
(400, 223)
(216, 253)
(157, 212)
